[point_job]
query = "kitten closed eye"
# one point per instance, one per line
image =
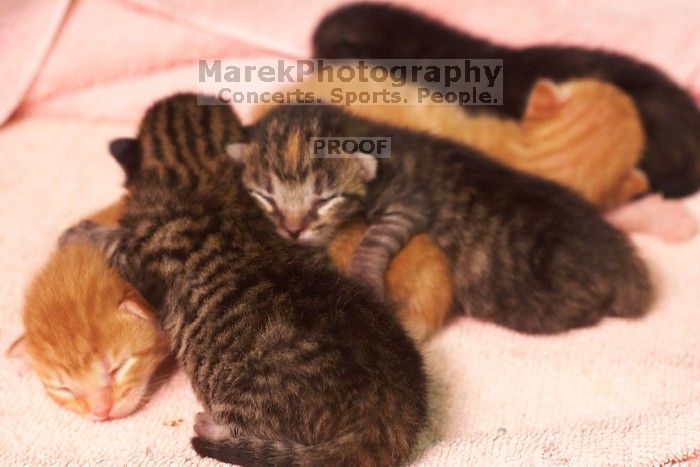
(265, 200)
(60, 391)
(121, 369)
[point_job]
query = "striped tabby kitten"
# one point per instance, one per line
(294, 363)
(525, 252)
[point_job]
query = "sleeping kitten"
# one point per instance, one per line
(670, 116)
(294, 363)
(584, 134)
(524, 252)
(90, 337)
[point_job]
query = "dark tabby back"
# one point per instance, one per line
(525, 253)
(294, 363)
(671, 119)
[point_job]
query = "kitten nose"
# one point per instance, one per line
(102, 411)
(294, 233)
(99, 403)
(294, 225)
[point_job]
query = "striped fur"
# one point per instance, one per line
(525, 253)
(294, 363)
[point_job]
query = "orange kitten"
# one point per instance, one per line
(89, 335)
(418, 279)
(584, 134)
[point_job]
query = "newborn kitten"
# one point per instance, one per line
(670, 117)
(524, 252)
(295, 363)
(90, 337)
(584, 134)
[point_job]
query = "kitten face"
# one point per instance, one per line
(93, 343)
(106, 386)
(306, 198)
(307, 210)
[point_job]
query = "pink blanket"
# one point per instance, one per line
(623, 392)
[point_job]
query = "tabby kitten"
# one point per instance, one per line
(671, 118)
(294, 363)
(524, 252)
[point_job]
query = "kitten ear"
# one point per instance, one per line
(237, 151)
(368, 166)
(136, 307)
(127, 153)
(546, 98)
(17, 348)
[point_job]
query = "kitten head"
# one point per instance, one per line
(181, 138)
(306, 197)
(91, 338)
(589, 104)
(590, 121)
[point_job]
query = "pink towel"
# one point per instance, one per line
(622, 392)
(27, 30)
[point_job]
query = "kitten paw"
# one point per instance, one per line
(78, 234)
(667, 219)
(374, 280)
(206, 427)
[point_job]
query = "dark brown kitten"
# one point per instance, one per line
(525, 253)
(295, 363)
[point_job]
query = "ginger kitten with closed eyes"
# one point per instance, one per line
(91, 338)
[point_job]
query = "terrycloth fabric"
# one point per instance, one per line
(27, 30)
(622, 392)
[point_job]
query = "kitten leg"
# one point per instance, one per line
(206, 427)
(654, 215)
(381, 241)
(103, 238)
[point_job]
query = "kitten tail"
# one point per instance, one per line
(250, 451)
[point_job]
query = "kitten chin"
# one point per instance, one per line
(91, 338)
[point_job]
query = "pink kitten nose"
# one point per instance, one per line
(294, 233)
(293, 227)
(99, 402)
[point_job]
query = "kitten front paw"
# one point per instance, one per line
(80, 233)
